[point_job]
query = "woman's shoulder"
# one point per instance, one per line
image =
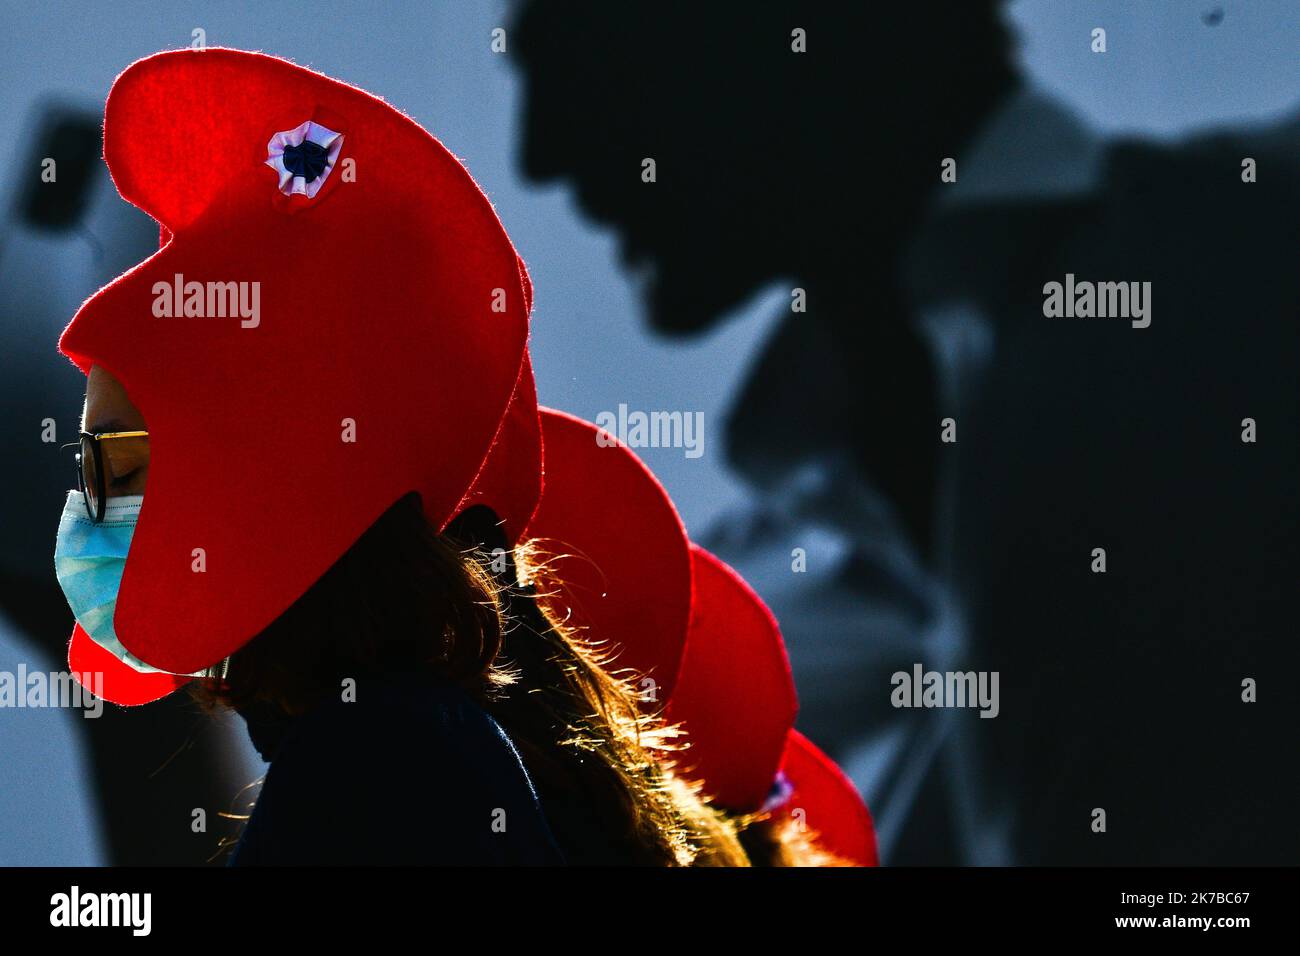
(381, 713)
(401, 771)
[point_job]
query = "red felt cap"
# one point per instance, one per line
(392, 310)
(511, 480)
(622, 557)
(735, 697)
(827, 802)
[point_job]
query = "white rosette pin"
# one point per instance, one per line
(304, 157)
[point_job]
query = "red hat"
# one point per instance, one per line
(511, 480)
(391, 305)
(826, 802)
(736, 700)
(735, 697)
(623, 559)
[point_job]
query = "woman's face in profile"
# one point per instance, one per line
(108, 409)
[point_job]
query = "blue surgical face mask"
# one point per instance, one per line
(89, 559)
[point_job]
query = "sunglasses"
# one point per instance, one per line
(105, 461)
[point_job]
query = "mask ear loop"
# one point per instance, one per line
(211, 672)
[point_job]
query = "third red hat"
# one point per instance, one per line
(622, 558)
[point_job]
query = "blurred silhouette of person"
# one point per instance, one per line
(130, 777)
(771, 166)
(1090, 435)
(925, 301)
(801, 167)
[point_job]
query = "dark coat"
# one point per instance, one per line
(412, 772)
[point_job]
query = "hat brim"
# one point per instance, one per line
(114, 680)
(735, 697)
(388, 339)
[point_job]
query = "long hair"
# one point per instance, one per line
(406, 598)
(782, 841)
